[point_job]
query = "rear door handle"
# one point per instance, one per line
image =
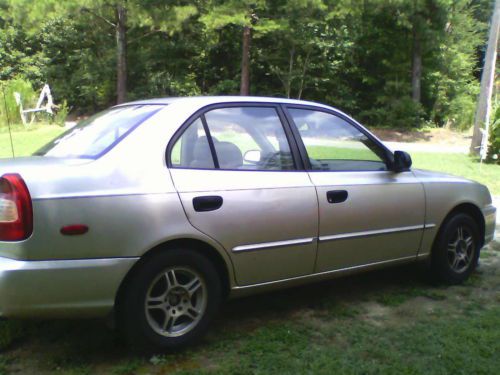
(336, 196)
(207, 203)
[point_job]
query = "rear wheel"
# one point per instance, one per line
(456, 250)
(170, 300)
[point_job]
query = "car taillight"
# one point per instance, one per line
(16, 210)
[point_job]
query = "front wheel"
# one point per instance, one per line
(456, 250)
(170, 300)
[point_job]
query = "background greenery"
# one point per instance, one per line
(356, 55)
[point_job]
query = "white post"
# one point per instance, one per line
(479, 142)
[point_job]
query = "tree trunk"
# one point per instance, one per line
(479, 143)
(288, 85)
(245, 62)
(303, 76)
(121, 53)
(416, 67)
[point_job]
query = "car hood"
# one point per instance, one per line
(431, 176)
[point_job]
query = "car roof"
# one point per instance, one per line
(207, 100)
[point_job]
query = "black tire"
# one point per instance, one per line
(140, 324)
(455, 267)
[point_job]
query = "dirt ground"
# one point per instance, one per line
(438, 136)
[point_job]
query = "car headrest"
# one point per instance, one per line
(229, 155)
(202, 156)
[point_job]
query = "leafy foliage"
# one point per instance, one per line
(351, 54)
(494, 148)
(9, 111)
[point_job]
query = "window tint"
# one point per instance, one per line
(98, 134)
(192, 149)
(333, 144)
(246, 138)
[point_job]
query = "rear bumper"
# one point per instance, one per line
(60, 288)
(489, 214)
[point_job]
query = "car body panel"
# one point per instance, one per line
(60, 288)
(445, 192)
(260, 210)
(366, 228)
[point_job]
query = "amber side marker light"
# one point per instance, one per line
(74, 230)
(16, 209)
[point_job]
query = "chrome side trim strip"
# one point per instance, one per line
(269, 245)
(370, 233)
(413, 257)
(303, 241)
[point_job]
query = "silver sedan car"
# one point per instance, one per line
(155, 211)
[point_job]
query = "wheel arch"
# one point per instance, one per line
(473, 211)
(199, 246)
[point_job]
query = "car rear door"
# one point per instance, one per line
(239, 182)
(367, 213)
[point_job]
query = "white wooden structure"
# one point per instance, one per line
(48, 107)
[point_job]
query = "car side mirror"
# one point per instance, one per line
(252, 156)
(402, 161)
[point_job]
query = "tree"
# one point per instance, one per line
(292, 49)
(250, 16)
(484, 104)
(112, 12)
(398, 63)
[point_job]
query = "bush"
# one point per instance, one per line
(7, 99)
(61, 113)
(493, 155)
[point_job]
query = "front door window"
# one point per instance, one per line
(333, 144)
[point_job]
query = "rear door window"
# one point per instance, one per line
(235, 138)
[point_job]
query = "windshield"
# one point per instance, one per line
(98, 134)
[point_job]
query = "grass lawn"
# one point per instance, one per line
(27, 141)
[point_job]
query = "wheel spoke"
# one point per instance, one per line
(169, 322)
(452, 248)
(192, 313)
(456, 262)
(156, 302)
(468, 242)
(193, 286)
(460, 232)
(171, 279)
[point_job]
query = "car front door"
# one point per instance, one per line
(234, 169)
(367, 213)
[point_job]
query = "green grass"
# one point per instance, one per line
(27, 141)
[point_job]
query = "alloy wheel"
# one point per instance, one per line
(176, 301)
(460, 249)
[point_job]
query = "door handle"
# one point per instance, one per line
(207, 203)
(336, 196)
